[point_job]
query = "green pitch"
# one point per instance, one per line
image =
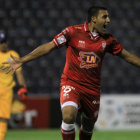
(54, 134)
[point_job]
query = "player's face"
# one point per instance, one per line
(102, 20)
(3, 47)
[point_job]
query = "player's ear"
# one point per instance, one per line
(93, 19)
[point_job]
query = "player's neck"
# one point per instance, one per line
(4, 50)
(91, 28)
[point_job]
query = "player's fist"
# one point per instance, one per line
(22, 92)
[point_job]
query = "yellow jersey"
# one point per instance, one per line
(7, 80)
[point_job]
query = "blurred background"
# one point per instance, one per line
(30, 23)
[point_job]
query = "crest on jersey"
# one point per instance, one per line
(103, 45)
(88, 60)
(9, 59)
(61, 39)
(81, 44)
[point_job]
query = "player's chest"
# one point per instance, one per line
(88, 43)
(4, 58)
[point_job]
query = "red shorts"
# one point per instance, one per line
(87, 103)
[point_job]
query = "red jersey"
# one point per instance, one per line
(84, 56)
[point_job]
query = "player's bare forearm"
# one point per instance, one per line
(20, 78)
(38, 52)
(130, 58)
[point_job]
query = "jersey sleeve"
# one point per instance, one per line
(114, 46)
(62, 38)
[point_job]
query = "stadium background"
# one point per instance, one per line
(30, 23)
(33, 22)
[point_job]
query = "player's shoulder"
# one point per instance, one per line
(73, 28)
(13, 52)
(77, 27)
(107, 36)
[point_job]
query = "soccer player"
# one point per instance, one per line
(86, 45)
(6, 84)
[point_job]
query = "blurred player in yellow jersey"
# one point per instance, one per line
(7, 84)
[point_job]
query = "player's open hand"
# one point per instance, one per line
(12, 65)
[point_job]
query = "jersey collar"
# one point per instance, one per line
(86, 29)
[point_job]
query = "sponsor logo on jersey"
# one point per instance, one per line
(88, 60)
(61, 39)
(81, 44)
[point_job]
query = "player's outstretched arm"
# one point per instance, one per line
(129, 57)
(38, 52)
